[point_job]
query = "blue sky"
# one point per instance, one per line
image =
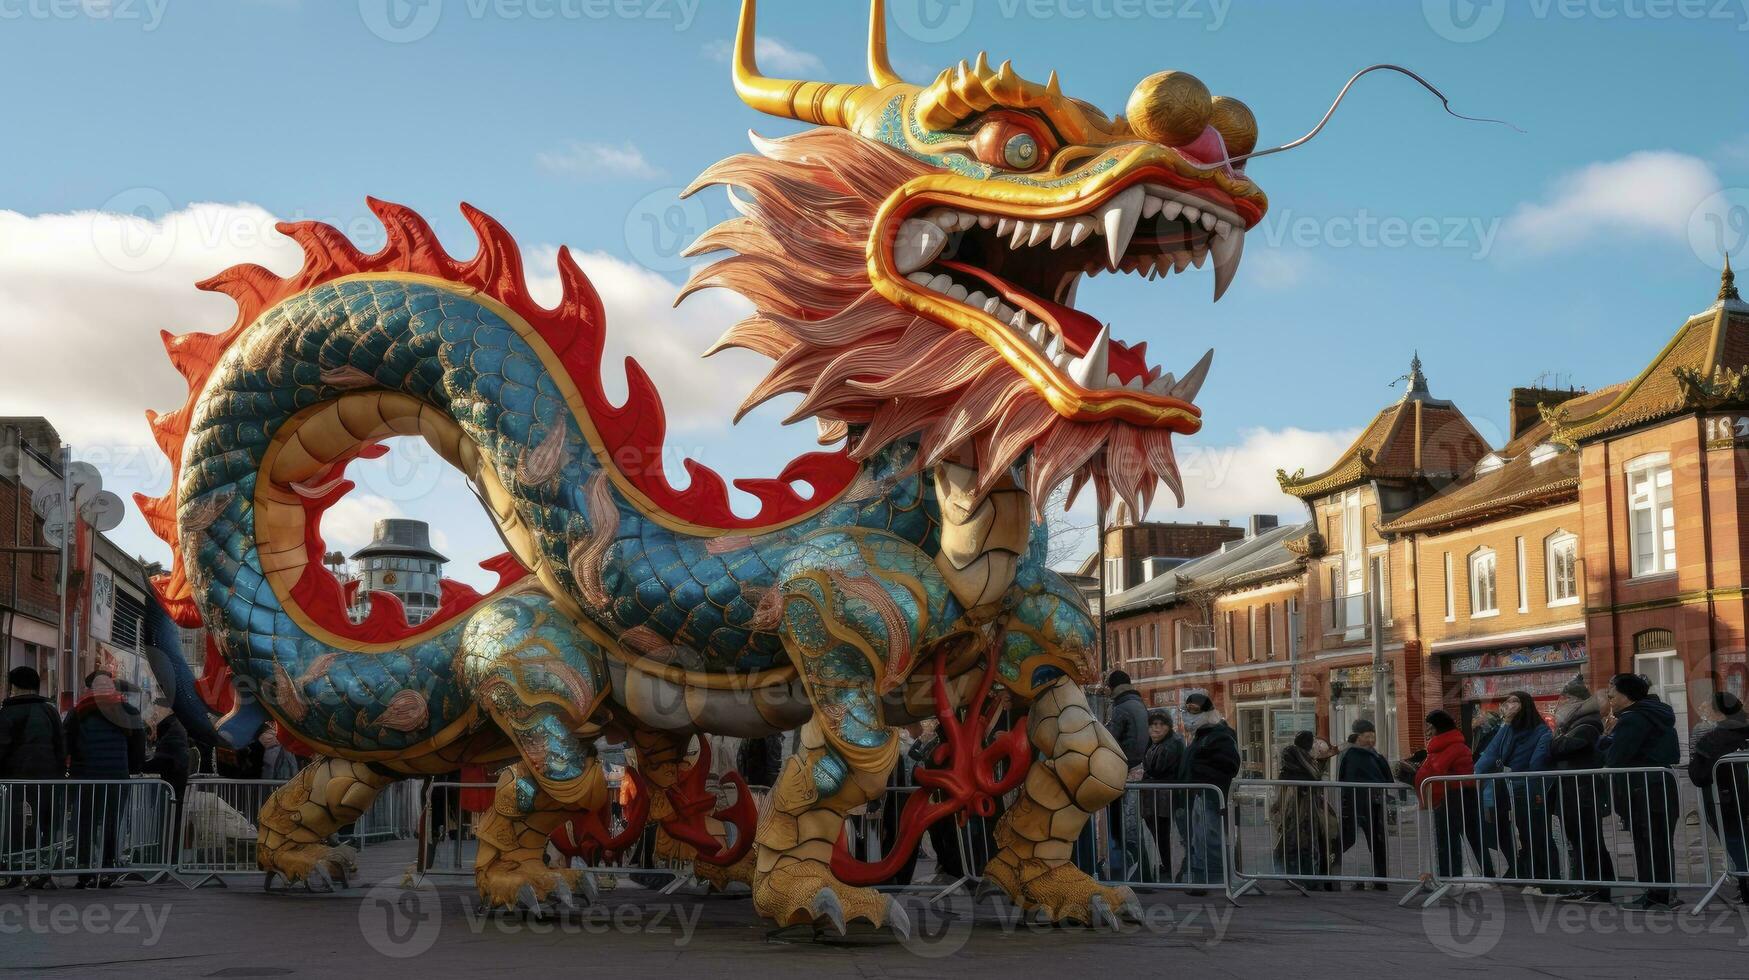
(1569, 251)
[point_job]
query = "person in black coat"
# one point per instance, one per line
(1211, 758)
(1581, 808)
(32, 746)
(1129, 728)
(106, 743)
(1363, 810)
(1728, 799)
(1640, 733)
(760, 760)
(1161, 762)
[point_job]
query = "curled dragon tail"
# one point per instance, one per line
(317, 370)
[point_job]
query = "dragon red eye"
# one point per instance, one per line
(1011, 145)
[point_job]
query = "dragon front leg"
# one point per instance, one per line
(298, 821)
(858, 607)
(541, 680)
(1079, 768)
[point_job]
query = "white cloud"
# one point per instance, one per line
(774, 56)
(597, 160)
(84, 295)
(1651, 192)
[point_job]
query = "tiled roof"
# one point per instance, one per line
(1416, 437)
(1518, 484)
(1242, 562)
(1702, 366)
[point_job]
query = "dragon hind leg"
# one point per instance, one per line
(298, 820)
(511, 864)
(1081, 771)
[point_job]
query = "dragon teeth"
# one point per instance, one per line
(1120, 217)
(1228, 250)
(918, 244)
(1090, 370)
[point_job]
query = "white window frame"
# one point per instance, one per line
(1645, 496)
(1523, 580)
(1560, 538)
(1450, 598)
(1480, 558)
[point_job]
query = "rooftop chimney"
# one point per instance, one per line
(1524, 412)
(1261, 523)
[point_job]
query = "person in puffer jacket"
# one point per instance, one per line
(1522, 746)
(106, 742)
(1640, 733)
(1456, 808)
(1727, 802)
(1582, 801)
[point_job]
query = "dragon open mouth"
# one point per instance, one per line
(1023, 273)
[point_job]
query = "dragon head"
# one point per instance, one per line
(914, 263)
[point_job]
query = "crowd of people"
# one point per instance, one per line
(1533, 824)
(94, 748)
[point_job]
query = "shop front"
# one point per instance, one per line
(1352, 697)
(1267, 716)
(1484, 678)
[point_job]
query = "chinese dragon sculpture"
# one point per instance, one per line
(913, 264)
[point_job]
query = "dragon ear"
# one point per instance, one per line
(820, 103)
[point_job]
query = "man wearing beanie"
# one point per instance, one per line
(1581, 808)
(31, 747)
(1212, 758)
(1730, 734)
(1640, 733)
(1363, 810)
(1129, 727)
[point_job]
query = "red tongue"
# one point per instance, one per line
(1076, 328)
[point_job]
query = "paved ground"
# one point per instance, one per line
(386, 930)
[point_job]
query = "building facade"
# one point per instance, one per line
(399, 561)
(1608, 534)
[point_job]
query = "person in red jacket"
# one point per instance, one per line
(1456, 809)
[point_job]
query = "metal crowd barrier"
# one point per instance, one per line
(968, 846)
(217, 832)
(86, 827)
(1169, 837)
(1588, 831)
(1726, 806)
(1322, 835)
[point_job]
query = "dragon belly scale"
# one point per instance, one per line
(913, 262)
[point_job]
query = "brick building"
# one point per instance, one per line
(1608, 534)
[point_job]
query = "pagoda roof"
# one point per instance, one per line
(1702, 367)
(1418, 437)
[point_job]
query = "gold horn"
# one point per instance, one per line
(820, 103)
(880, 70)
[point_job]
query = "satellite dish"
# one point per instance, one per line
(104, 511)
(47, 502)
(84, 480)
(55, 531)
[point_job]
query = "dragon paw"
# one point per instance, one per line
(1062, 894)
(318, 866)
(806, 893)
(531, 885)
(720, 876)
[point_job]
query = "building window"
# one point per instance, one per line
(1154, 641)
(1450, 607)
(1563, 568)
(1523, 582)
(1269, 631)
(1484, 600)
(1232, 648)
(1651, 515)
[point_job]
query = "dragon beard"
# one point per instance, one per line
(870, 371)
